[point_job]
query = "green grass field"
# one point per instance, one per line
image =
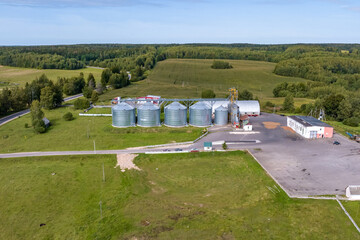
(186, 78)
(353, 208)
(175, 196)
(80, 133)
(19, 76)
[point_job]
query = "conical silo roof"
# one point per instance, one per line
(148, 106)
(175, 106)
(200, 105)
(122, 106)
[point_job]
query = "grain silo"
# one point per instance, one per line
(148, 115)
(175, 115)
(221, 116)
(123, 115)
(200, 115)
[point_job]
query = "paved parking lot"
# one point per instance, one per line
(303, 167)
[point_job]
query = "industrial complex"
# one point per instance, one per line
(203, 113)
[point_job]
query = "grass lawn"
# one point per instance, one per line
(80, 133)
(19, 76)
(353, 208)
(186, 78)
(342, 128)
(175, 196)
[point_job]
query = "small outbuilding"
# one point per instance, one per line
(353, 192)
(46, 122)
(310, 127)
(207, 146)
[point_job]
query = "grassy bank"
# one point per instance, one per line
(81, 133)
(342, 128)
(14, 76)
(175, 196)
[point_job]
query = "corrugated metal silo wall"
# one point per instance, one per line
(148, 117)
(175, 117)
(123, 117)
(221, 117)
(200, 117)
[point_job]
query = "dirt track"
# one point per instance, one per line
(125, 161)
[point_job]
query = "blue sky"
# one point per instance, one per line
(35, 22)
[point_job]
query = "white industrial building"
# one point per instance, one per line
(250, 107)
(310, 127)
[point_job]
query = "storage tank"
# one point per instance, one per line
(175, 115)
(200, 115)
(123, 115)
(148, 115)
(221, 116)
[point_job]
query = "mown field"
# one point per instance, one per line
(81, 133)
(185, 78)
(174, 196)
(13, 76)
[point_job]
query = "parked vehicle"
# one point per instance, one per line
(354, 137)
(178, 149)
(336, 143)
(194, 150)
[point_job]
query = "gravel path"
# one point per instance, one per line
(125, 161)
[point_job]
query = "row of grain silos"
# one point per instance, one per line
(148, 115)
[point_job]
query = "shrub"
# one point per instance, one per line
(81, 103)
(245, 95)
(221, 65)
(26, 125)
(269, 104)
(68, 116)
(224, 146)
(208, 94)
(352, 122)
(39, 126)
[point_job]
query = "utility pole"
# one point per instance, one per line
(100, 204)
(103, 172)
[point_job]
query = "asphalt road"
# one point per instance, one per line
(23, 112)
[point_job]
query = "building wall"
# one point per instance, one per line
(308, 132)
(328, 132)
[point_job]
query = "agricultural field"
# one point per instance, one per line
(174, 196)
(83, 131)
(185, 78)
(13, 76)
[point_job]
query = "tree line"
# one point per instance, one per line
(48, 93)
(337, 102)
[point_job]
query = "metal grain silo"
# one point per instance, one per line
(148, 115)
(200, 115)
(123, 115)
(175, 115)
(221, 116)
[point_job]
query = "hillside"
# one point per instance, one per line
(188, 77)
